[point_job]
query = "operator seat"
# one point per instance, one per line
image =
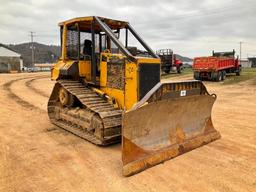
(87, 50)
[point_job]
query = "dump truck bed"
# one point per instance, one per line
(213, 63)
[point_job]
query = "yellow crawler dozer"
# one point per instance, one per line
(109, 91)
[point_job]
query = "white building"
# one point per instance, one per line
(245, 63)
(43, 66)
(10, 61)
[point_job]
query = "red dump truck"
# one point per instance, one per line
(169, 62)
(216, 67)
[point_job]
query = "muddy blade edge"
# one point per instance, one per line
(165, 129)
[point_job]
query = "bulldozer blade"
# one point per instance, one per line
(170, 125)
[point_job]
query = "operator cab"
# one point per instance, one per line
(86, 40)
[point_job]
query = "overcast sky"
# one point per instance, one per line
(190, 27)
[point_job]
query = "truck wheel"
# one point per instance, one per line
(214, 76)
(167, 71)
(219, 76)
(178, 70)
(238, 73)
(197, 76)
(223, 75)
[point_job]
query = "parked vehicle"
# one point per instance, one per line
(217, 66)
(169, 62)
(30, 69)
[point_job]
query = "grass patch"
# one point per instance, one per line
(185, 71)
(246, 74)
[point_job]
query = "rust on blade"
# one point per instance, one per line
(132, 151)
(165, 154)
(165, 128)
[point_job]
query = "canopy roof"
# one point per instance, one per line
(85, 23)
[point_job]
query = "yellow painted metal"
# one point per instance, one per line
(74, 20)
(117, 94)
(87, 21)
(128, 97)
(103, 74)
(125, 98)
(131, 78)
(111, 100)
(84, 68)
(64, 43)
(148, 60)
(60, 65)
(103, 68)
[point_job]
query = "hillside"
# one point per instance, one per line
(43, 53)
(49, 53)
(184, 59)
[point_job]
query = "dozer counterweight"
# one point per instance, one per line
(108, 90)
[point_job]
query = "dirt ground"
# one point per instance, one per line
(37, 156)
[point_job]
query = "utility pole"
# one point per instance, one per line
(32, 34)
(240, 43)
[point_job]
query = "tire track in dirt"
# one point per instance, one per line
(38, 91)
(16, 98)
